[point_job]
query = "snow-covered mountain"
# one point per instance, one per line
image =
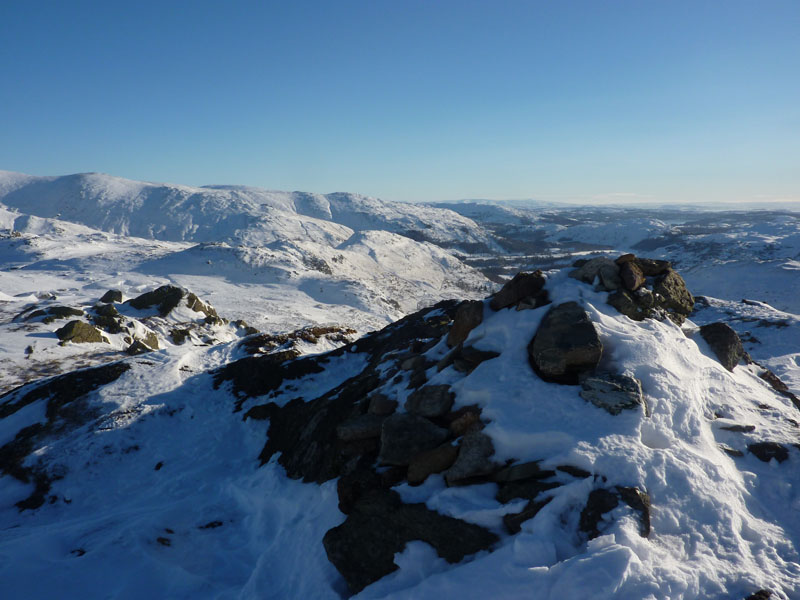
(225, 213)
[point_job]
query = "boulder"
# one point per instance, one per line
(613, 393)
(430, 462)
(653, 268)
(464, 420)
(465, 360)
(474, 459)
(766, 451)
(724, 342)
(430, 401)
(631, 275)
(674, 297)
(599, 503)
(629, 305)
(605, 270)
(166, 298)
(513, 521)
(519, 471)
(380, 404)
(111, 296)
(468, 316)
(565, 345)
(380, 525)
(522, 286)
(138, 347)
(79, 332)
(403, 436)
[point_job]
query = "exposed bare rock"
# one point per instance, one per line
(522, 286)
(468, 316)
(430, 401)
(724, 342)
(80, 332)
(403, 436)
(565, 345)
(613, 392)
(474, 459)
(430, 462)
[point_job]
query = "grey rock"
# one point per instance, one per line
(516, 472)
(675, 298)
(605, 270)
(380, 404)
(613, 392)
(565, 345)
(111, 296)
(724, 342)
(473, 459)
(403, 436)
(430, 401)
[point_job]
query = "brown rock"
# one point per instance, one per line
(522, 286)
(468, 316)
(430, 462)
(631, 275)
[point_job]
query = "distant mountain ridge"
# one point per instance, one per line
(227, 213)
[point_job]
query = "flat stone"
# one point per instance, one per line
(613, 393)
(403, 436)
(473, 459)
(361, 427)
(430, 401)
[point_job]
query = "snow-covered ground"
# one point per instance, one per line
(157, 490)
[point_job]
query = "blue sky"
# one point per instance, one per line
(587, 101)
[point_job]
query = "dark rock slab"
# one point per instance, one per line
(166, 298)
(430, 401)
(565, 345)
(632, 276)
(779, 386)
(464, 420)
(522, 286)
(599, 503)
(639, 501)
(468, 316)
(724, 342)
(380, 404)
(380, 525)
(111, 296)
(527, 489)
(403, 436)
(613, 392)
(604, 270)
(361, 427)
(519, 471)
(766, 451)
(513, 521)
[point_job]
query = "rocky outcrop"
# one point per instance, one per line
(673, 296)
(724, 342)
(165, 298)
(380, 525)
(80, 332)
(613, 392)
(566, 345)
(602, 269)
(430, 401)
(111, 296)
(523, 287)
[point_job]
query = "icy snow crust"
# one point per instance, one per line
(209, 523)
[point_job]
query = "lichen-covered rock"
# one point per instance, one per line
(380, 525)
(565, 345)
(138, 347)
(724, 342)
(403, 436)
(430, 401)
(522, 286)
(631, 275)
(630, 305)
(613, 392)
(468, 316)
(675, 298)
(79, 332)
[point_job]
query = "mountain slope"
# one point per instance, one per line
(156, 488)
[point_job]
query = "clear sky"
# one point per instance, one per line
(411, 100)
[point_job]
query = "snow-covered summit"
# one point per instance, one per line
(535, 444)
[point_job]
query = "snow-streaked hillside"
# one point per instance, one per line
(225, 213)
